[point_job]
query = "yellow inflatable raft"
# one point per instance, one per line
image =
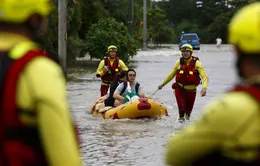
(136, 109)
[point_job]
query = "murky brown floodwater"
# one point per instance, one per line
(142, 142)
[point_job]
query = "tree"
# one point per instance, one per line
(187, 26)
(240, 3)
(74, 23)
(211, 9)
(218, 28)
(178, 10)
(109, 32)
(158, 26)
(91, 11)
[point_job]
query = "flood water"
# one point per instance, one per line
(142, 142)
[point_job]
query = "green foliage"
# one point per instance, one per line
(165, 35)
(188, 27)
(50, 39)
(74, 47)
(158, 26)
(240, 3)
(86, 30)
(219, 27)
(109, 32)
(209, 20)
(74, 44)
(91, 11)
(177, 10)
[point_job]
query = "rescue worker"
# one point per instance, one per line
(188, 70)
(229, 131)
(108, 68)
(36, 126)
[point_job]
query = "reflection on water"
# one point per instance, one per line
(138, 142)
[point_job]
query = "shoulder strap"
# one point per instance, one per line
(12, 77)
(105, 61)
(137, 87)
(182, 61)
(194, 59)
(124, 88)
(16, 52)
(117, 60)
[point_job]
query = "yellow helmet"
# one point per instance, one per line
(244, 29)
(112, 48)
(19, 11)
(186, 47)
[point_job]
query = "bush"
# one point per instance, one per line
(109, 32)
(74, 48)
(187, 27)
(165, 36)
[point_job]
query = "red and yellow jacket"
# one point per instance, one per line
(187, 74)
(228, 131)
(113, 65)
(39, 94)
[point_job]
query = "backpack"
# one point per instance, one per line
(130, 96)
(125, 86)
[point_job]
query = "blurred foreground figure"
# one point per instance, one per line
(229, 131)
(36, 126)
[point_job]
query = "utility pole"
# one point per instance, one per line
(145, 28)
(130, 16)
(62, 34)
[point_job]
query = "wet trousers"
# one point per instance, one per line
(103, 89)
(185, 100)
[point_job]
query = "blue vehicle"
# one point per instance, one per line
(190, 38)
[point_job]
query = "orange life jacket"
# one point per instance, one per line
(20, 144)
(187, 74)
(110, 76)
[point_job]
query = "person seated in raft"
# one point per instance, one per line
(128, 89)
(108, 99)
